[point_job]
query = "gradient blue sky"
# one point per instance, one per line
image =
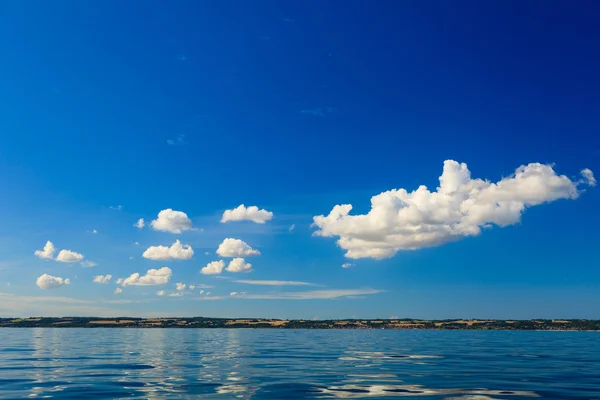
(294, 107)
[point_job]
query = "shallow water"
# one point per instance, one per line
(297, 364)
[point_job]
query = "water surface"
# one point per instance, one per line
(297, 364)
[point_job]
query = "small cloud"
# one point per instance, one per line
(153, 277)
(46, 281)
(192, 287)
(588, 176)
(172, 221)
(207, 253)
(347, 265)
(161, 293)
(319, 112)
(202, 291)
(116, 208)
(118, 290)
(292, 227)
(180, 57)
(178, 141)
(180, 287)
(176, 294)
(236, 248)
(239, 265)
(213, 268)
(177, 251)
(47, 253)
(137, 243)
(131, 257)
(93, 231)
(394, 317)
(68, 256)
(252, 213)
(140, 224)
(88, 264)
(102, 278)
(233, 294)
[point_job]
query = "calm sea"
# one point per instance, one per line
(297, 364)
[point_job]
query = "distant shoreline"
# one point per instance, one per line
(240, 323)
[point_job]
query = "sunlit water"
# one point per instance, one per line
(297, 364)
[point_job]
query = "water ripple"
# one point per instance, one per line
(297, 364)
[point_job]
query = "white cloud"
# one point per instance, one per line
(93, 231)
(119, 281)
(292, 227)
(233, 294)
(312, 294)
(236, 248)
(192, 287)
(140, 224)
(153, 277)
(47, 253)
(273, 283)
(202, 291)
(461, 206)
(137, 243)
(116, 208)
(588, 177)
(161, 293)
(176, 294)
(88, 264)
(180, 287)
(239, 265)
(252, 213)
(213, 268)
(131, 257)
(347, 265)
(102, 278)
(172, 221)
(51, 282)
(177, 251)
(69, 256)
(118, 290)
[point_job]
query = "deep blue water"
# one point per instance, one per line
(297, 364)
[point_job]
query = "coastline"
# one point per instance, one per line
(356, 324)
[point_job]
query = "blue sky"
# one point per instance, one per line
(113, 112)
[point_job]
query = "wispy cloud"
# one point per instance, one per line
(273, 282)
(178, 141)
(311, 294)
(318, 112)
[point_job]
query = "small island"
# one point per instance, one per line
(205, 322)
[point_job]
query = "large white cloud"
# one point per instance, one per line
(252, 213)
(177, 251)
(48, 251)
(153, 277)
(172, 221)
(69, 256)
(102, 278)
(461, 206)
(213, 268)
(236, 248)
(51, 282)
(239, 265)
